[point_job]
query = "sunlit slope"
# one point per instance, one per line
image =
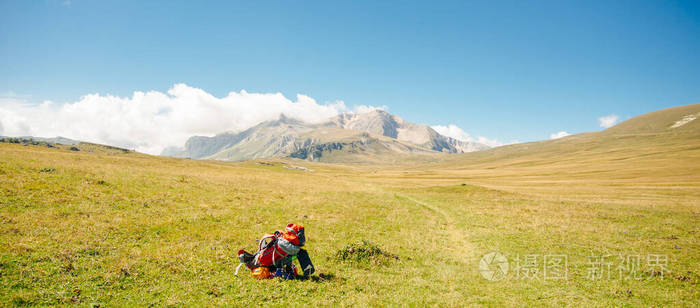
(676, 120)
(64, 144)
(647, 136)
(641, 150)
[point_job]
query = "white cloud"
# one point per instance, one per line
(365, 108)
(490, 142)
(558, 135)
(456, 132)
(151, 121)
(608, 120)
(453, 131)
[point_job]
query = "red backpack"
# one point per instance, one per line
(274, 247)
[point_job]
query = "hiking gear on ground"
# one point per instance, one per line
(269, 253)
(261, 272)
(237, 268)
(277, 251)
(244, 256)
(295, 234)
(288, 272)
(306, 266)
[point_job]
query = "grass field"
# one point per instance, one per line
(123, 228)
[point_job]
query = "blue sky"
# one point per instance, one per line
(507, 70)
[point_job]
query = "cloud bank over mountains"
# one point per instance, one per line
(457, 133)
(151, 121)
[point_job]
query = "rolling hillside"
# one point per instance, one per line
(641, 150)
(124, 229)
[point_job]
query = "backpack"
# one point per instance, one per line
(276, 251)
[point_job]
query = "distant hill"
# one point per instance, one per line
(64, 144)
(344, 138)
(57, 140)
(681, 119)
(659, 143)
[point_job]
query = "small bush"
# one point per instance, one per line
(364, 252)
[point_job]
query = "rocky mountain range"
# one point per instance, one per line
(342, 138)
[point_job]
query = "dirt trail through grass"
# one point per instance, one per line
(457, 241)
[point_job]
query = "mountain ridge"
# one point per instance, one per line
(373, 133)
(383, 123)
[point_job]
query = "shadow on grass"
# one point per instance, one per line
(320, 278)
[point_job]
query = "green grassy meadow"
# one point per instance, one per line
(123, 228)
